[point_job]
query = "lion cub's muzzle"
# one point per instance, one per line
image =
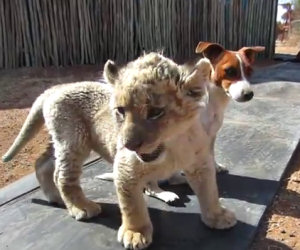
(136, 144)
(133, 145)
(154, 155)
(133, 137)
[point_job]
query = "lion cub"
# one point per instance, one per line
(145, 121)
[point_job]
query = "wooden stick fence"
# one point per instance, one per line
(67, 32)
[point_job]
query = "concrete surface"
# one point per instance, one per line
(256, 143)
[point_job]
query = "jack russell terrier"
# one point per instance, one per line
(229, 80)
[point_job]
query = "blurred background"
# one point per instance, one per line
(288, 27)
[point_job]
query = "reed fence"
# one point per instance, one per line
(68, 32)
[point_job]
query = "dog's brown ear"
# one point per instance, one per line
(250, 52)
(210, 50)
(110, 72)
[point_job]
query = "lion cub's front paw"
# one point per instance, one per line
(86, 210)
(221, 220)
(132, 239)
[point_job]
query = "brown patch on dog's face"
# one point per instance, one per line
(227, 67)
(227, 70)
(150, 103)
(225, 63)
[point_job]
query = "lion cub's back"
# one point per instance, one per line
(86, 96)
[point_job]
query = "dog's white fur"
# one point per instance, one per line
(237, 89)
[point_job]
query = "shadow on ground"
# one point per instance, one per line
(248, 188)
(172, 230)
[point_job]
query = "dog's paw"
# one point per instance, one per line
(105, 176)
(222, 220)
(87, 210)
(135, 239)
(168, 197)
(221, 169)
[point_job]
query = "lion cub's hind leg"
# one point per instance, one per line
(71, 147)
(44, 170)
(68, 165)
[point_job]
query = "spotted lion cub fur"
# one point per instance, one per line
(144, 120)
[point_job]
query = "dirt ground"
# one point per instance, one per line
(18, 89)
(290, 46)
(280, 228)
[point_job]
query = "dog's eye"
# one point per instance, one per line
(231, 72)
(121, 111)
(155, 113)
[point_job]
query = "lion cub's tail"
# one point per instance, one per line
(31, 126)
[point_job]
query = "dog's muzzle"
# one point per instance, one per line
(240, 91)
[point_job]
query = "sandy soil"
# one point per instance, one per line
(280, 228)
(290, 46)
(19, 88)
(10, 122)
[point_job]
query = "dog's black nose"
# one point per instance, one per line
(248, 96)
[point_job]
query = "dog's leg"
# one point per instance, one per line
(44, 170)
(202, 180)
(136, 229)
(177, 178)
(106, 176)
(219, 167)
(152, 189)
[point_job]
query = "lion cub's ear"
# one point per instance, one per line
(195, 84)
(110, 72)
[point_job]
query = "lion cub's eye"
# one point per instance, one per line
(121, 111)
(195, 92)
(155, 113)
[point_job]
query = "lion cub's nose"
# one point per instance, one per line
(133, 145)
